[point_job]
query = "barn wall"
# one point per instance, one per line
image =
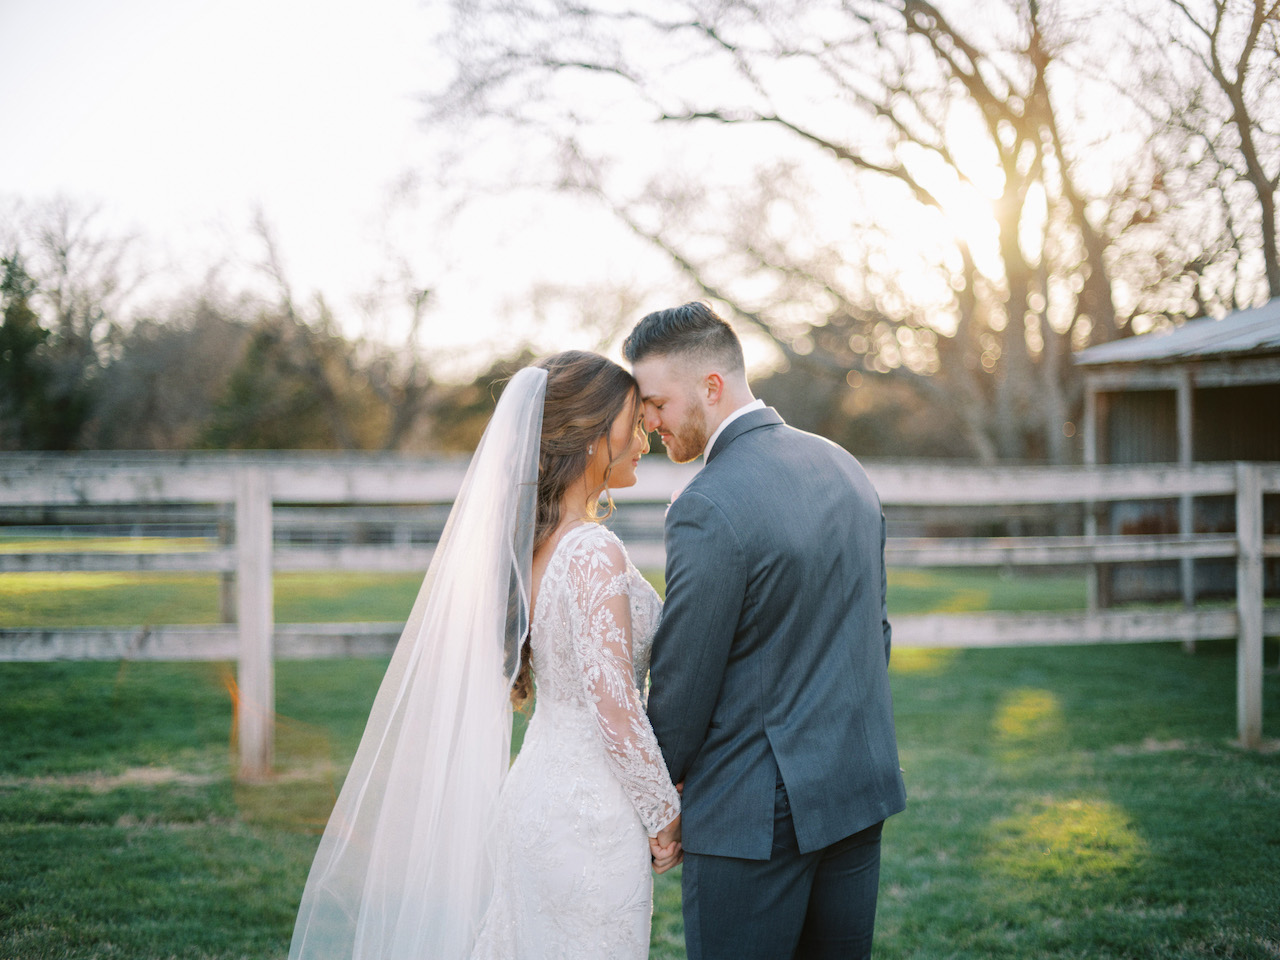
(1141, 426)
(1236, 423)
(1228, 423)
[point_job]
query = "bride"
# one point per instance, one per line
(434, 849)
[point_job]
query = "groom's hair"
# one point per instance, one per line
(693, 329)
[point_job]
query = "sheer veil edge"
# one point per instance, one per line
(404, 870)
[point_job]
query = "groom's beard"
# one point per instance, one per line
(686, 441)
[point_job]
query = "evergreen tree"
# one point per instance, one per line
(34, 415)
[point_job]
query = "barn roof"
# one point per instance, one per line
(1247, 331)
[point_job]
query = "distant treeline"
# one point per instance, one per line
(80, 370)
(207, 370)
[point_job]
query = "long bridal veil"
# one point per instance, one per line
(404, 870)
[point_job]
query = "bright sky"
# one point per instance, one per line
(180, 117)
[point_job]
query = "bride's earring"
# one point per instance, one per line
(591, 450)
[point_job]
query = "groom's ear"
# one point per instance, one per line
(713, 387)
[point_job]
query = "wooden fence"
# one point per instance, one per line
(253, 490)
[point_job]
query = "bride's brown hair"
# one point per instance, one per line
(585, 393)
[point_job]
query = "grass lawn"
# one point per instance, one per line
(1063, 803)
(134, 599)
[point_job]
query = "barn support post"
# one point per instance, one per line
(1186, 503)
(255, 705)
(1090, 508)
(1249, 604)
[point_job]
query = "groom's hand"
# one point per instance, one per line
(665, 848)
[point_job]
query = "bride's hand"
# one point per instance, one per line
(664, 858)
(665, 848)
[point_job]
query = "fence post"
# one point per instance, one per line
(1249, 604)
(255, 717)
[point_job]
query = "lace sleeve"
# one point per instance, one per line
(602, 643)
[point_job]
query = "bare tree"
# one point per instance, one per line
(310, 341)
(933, 206)
(167, 371)
(1211, 85)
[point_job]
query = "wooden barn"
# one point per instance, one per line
(1208, 390)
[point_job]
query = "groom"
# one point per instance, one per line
(770, 687)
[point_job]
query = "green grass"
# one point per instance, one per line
(1081, 802)
(960, 591)
(1063, 802)
(136, 599)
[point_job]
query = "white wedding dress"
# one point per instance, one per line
(589, 787)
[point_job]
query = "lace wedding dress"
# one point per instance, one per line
(589, 786)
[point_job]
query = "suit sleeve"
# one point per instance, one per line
(884, 595)
(706, 586)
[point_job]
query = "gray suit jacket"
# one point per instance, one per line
(772, 653)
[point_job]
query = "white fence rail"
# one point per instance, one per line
(253, 487)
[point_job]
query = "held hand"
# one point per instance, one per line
(664, 858)
(665, 848)
(665, 864)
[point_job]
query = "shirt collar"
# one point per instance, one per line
(756, 404)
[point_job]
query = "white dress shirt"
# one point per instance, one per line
(745, 408)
